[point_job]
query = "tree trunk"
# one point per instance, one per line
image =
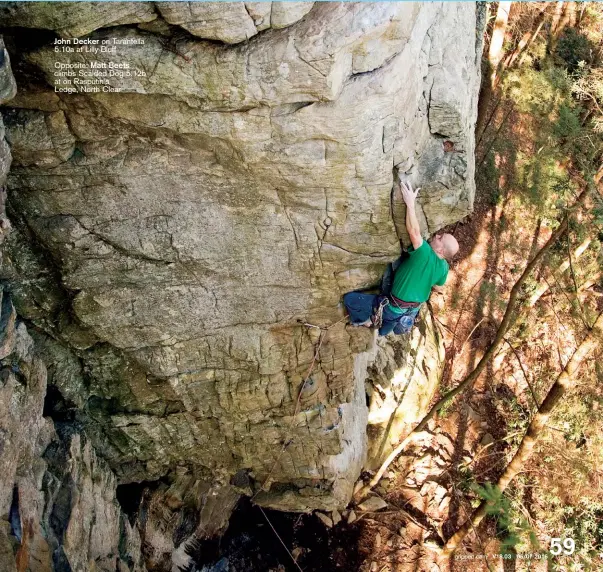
(566, 17)
(495, 53)
(539, 292)
(526, 40)
(533, 433)
(573, 15)
(580, 15)
(555, 24)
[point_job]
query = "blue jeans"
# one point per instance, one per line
(360, 308)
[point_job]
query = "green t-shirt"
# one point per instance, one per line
(417, 273)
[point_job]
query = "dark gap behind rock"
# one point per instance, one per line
(15, 517)
(57, 407)
(250, 544)
(129, 496)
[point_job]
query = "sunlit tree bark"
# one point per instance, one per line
(526, 40)
(555, 23)
(495, 54)
(567, 14)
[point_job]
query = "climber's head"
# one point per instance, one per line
(444, 245)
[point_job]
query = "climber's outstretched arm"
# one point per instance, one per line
(409, 196)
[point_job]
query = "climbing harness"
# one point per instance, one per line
(401, 304)
(404, 321)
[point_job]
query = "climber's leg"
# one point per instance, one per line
(359, 307)
(390, 319)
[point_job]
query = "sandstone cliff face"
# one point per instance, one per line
(169, 237)
(58, 506)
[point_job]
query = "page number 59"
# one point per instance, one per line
(567, 546)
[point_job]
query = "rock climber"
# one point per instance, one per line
(425, 267)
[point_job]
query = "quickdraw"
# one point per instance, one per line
(377, 317)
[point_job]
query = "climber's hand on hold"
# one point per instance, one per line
(409, 196)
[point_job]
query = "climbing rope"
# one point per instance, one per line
(280, 539)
